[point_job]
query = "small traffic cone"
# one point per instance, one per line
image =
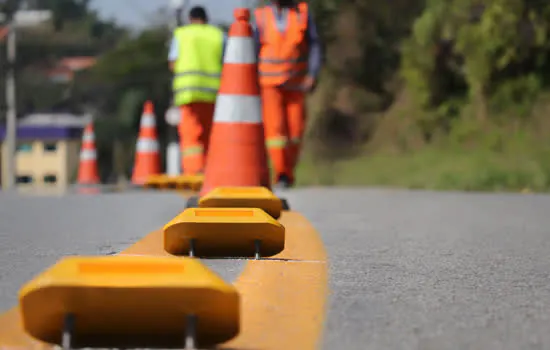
(87, 169)
(147, 159)
(237, 155)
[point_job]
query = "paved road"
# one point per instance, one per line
(36, 231)
(418, 270)
(409, 270)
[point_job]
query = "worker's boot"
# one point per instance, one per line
(283, 182)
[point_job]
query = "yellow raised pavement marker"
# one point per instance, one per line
(181, 182)
(121, 301)
(158, 181)
(282, 302)
(243, 197)
(224, 232)
(189, 182)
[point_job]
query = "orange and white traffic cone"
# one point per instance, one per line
(237, 155)
(87, 169)
(147, 159)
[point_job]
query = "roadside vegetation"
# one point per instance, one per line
(438, 94)
(432, 94)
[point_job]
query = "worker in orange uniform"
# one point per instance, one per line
(196, 58)
(289, 60)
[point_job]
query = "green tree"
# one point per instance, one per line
(491, 54)
(40, 47)
(362, 49)
(123, 79)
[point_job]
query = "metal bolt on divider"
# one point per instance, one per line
(192, 248)
(190, 339)
(191, 333)
(68, 329)
(257, 247)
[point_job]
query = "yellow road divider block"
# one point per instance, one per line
(185, 182)
(224, 232)
(243, 197)
(130, 301)
(156, 181)
(189, 182)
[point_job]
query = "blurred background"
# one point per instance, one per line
(439, 94)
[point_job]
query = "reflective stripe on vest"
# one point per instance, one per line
(276, 142)
(283, 57)
(192, 151)
(197, 70)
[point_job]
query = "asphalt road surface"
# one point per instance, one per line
(409, 270)
(36, 231)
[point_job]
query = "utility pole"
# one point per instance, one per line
(14, 18)
(11, 104)
(178, 22)
(178, 6)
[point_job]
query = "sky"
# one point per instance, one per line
(138, 13)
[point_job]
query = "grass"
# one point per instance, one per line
(502, 153)
(507, 154)
(435, 169)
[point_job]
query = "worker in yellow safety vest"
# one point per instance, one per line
(196, 59)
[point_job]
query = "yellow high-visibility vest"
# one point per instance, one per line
(197, 70)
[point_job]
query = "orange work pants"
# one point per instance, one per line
(284, 116)
(194, 132)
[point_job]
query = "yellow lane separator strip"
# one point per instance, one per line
(283, 303)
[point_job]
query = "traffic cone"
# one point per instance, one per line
(237, 155)
(87, 169)
(147, 159)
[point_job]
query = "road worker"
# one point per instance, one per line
(289, 61)
(196, 59)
